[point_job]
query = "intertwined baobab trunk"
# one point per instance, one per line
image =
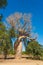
(19, 51)
(22, 25)
(18, 47)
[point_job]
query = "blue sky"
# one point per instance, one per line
(35, 7)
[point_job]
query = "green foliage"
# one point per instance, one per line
(5, 40)
(34, 48)
(24, 52)
(2, 27)
(12, 52)
(12, 32)
(1, 16)
(3, 3)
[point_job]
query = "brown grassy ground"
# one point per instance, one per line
(23, 61)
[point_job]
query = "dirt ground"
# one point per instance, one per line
(21, 62)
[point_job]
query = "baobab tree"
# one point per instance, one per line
(22, 26)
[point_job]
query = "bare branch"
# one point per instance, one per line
(15, 21)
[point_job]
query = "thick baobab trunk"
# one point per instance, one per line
(18, 47)
(19, 51)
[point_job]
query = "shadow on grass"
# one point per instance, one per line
(7, 58)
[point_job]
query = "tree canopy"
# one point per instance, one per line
(5, 40)
(34, 48)
(3, 4)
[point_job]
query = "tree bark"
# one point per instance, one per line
(18, 47)
(19, 51)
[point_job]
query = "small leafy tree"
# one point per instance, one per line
(34, 49)
(5, 40)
